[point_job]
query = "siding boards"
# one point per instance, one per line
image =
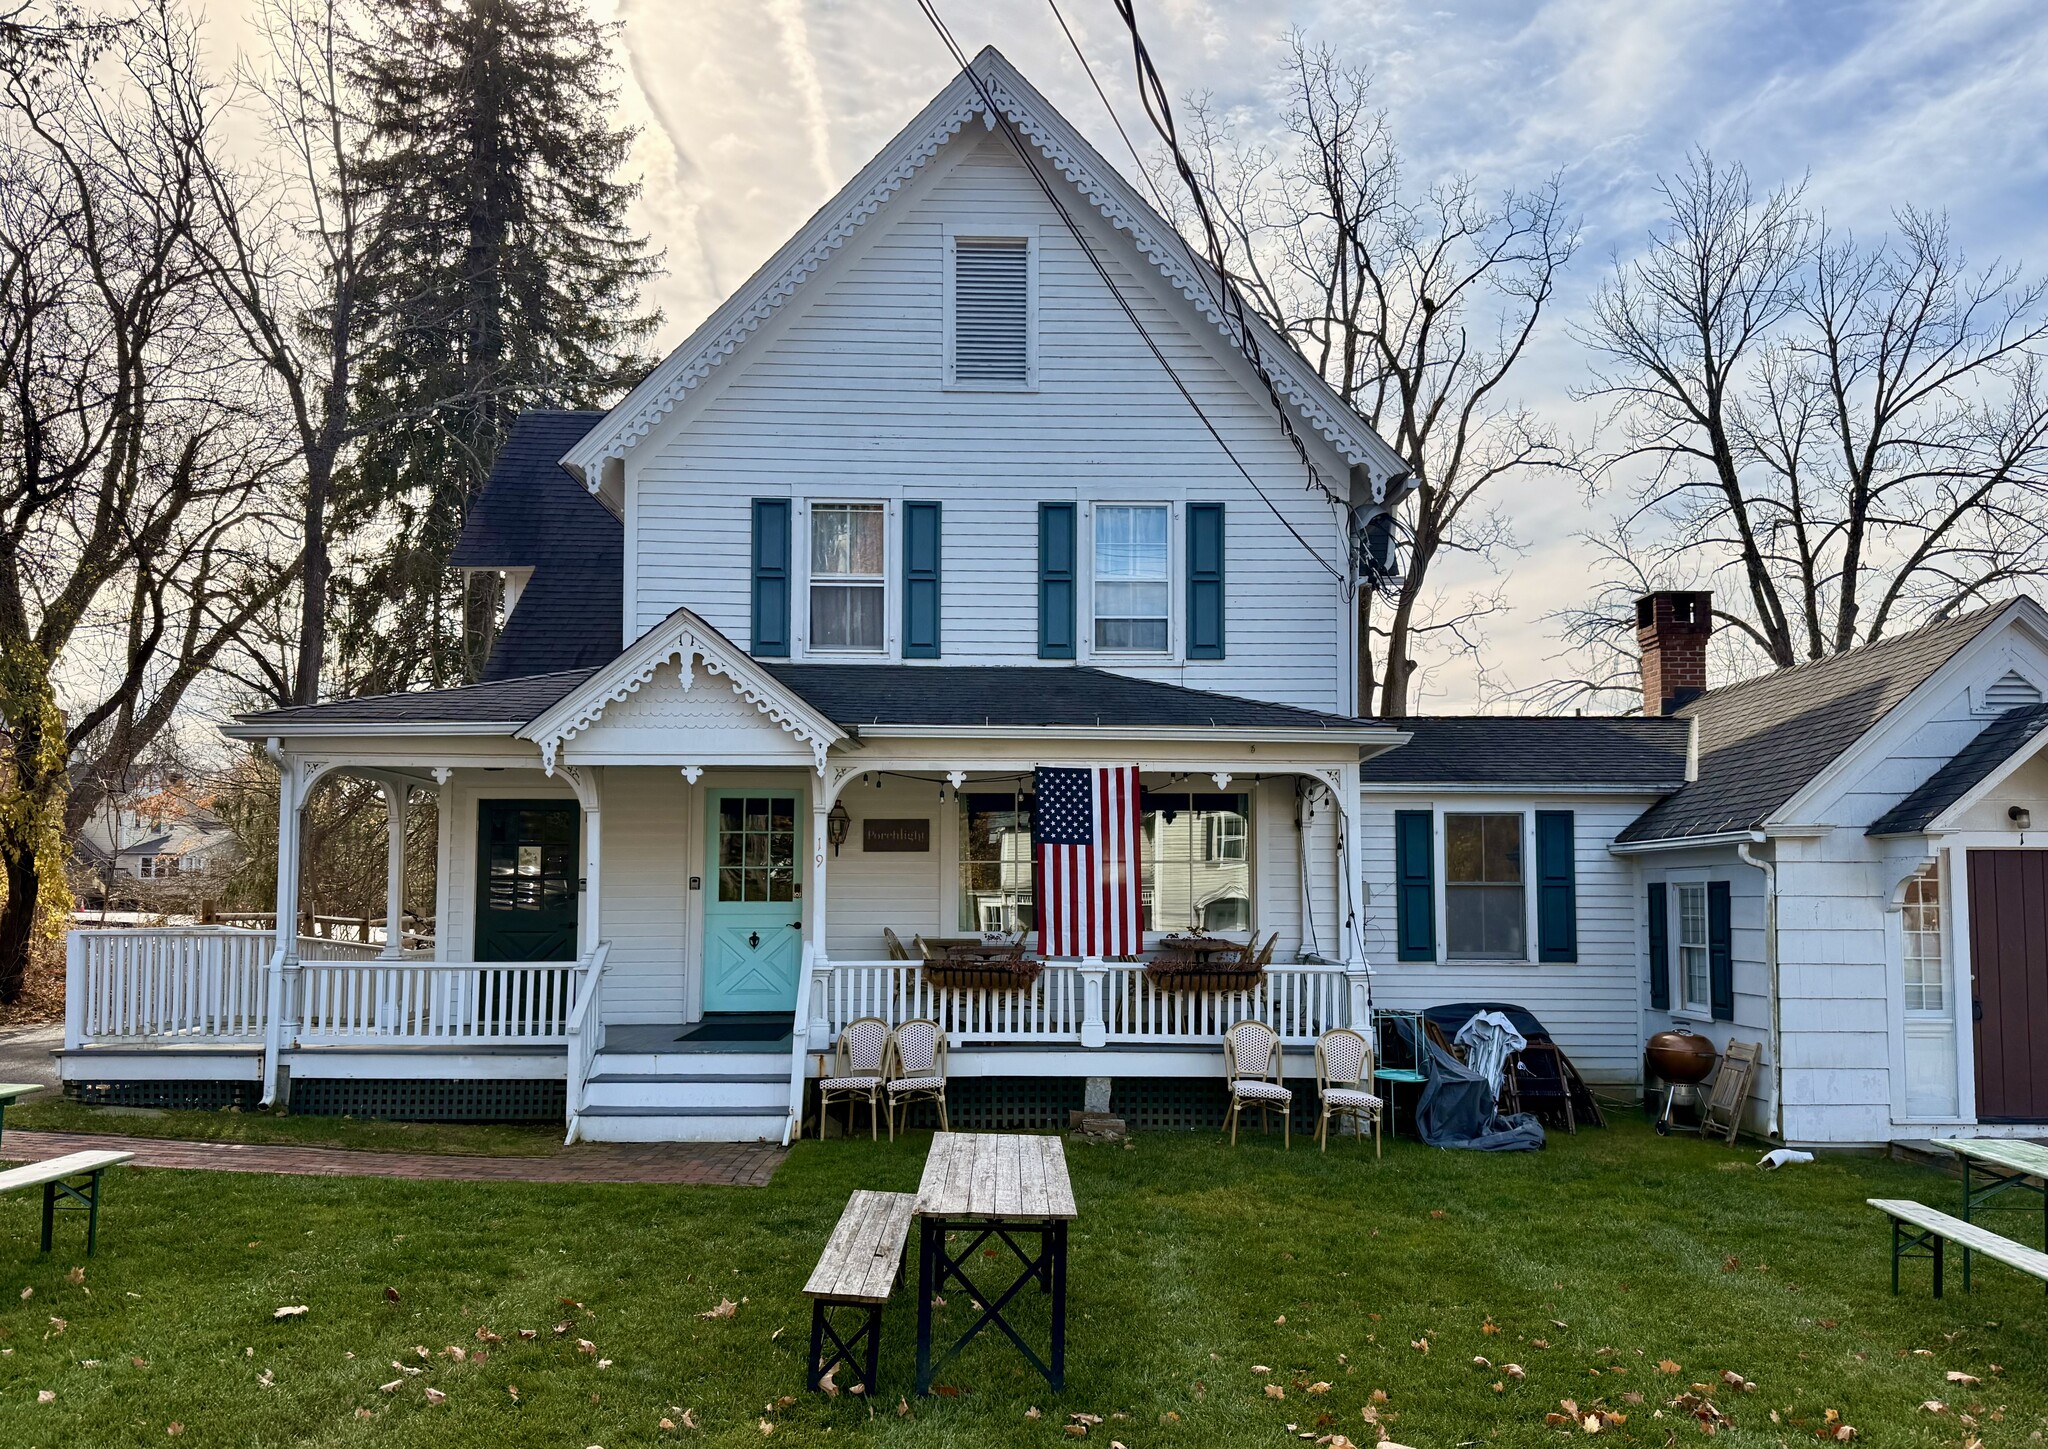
(841, 395)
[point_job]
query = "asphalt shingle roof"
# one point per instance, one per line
(1536, 750)
(1996, 743)
(509, 702)
(1763, 740)
(1027, 696)
(532, 513)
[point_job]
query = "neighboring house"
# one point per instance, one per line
(159, 846)
(917, 511)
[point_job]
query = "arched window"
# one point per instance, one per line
(1920, 922)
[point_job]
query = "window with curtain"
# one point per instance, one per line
(1485, 911)
(1695, 969)
(1133, 595)
(1920, 912)
(849, 582)
(997, 862)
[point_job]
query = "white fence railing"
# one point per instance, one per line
(196, 984)
(586, 1033)
(1088, 1003)
(435, 1003)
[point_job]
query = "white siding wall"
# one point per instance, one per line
(1592, 1006)
(647, 903)
(903, 890)
(839, 397)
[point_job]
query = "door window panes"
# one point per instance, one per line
(1695, 972)
(1132, 594)
(531, 863)
(757, 848)
(996, 862)
(1484, 909)
(848, 576)
(1921, 923)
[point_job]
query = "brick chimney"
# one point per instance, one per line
(1672, 627)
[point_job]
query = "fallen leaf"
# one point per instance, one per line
(666, 1424)
(1513, 1371)
(529, 1333)
(726, 1308)
(484, 1335)
(1420, 1345)
(46, 1396)
(766, 1428)
(1957, 1376)
(391, 1388)
(1539, 1343)
(1318, 1387)
(1489, 1327)
(58, 1325)
(75, 1277)
(903, 1408)
(1259, 1368)
(174, 1428)
(264, 1378)
(1436, 1212)
(1933, 1406)
(1274, 1391)
(1666, 1366)
(435, 1396)
(690, 1417)
(1482, 1362)
(291, 1310)
(391, 1295)
(584, 1345)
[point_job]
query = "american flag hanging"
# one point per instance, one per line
(1085, 826)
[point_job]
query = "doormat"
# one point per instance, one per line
(738, 1028)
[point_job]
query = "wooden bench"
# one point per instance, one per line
(860, 1267)
(1917, 1227)
(51, 1177)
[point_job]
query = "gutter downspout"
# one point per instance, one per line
(1746, 850)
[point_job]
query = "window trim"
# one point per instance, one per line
(1442, 848)
(1175, 568)
(800, 548)
(1682, 1002)
(990, 231)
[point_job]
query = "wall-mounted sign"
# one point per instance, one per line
(882, 836)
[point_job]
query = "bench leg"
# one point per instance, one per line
(844, 1350)
(874, 1364)
(49, 1212)
(1940, 1256)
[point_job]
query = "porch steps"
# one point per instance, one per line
(686, 1096)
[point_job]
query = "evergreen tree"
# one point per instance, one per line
(506, 278)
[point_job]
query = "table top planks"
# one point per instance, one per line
(996, 1175)
(35, 1174)
(1967, 1235)
(2030, 1158)
(860, 1259)
(12, 1092)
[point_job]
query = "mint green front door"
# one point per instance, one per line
(753, 913)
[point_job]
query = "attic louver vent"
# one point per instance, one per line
(2014, 691)
(991, 312)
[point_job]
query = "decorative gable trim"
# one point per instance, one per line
(682, 639)
(728, 328)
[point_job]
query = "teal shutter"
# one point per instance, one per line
(1720, 952)
(1414, 886)
(921, 580)
(771, 578)
(1557, 890)
(1205, 581)
(1660, 949)
(1056, 581)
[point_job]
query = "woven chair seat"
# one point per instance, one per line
(1350, 1097)
(850, 1084)
(1261, 1091)
(917, 1084)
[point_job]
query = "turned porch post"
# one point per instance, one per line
(1351, 818)
(396, 802)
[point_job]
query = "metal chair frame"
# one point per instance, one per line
(1361, 1080)
(841, 1065)
(1268, 1070)
(893, 1071)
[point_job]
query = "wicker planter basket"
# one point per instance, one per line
(982, 975)
(1203, 978)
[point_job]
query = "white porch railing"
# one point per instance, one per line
(190, 984)
(1087, 1003)
(586, 1033)
(436, 1003)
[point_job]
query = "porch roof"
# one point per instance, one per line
(855, 697)
(1969, 767)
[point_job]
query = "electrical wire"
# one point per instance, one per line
(1003, 124)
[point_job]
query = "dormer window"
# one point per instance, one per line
(849, 577)
(989, 313)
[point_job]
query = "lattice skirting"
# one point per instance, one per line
(431, 1100)
(167, 1096)
(994, 1104)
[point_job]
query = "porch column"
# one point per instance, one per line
(278, 1030)
(590, 796)
(396, 801)
(814, 893)
(1351, 813)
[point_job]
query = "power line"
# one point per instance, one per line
(1003, 124)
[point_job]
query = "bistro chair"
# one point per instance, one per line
(915, 1070)
(1251, 1071)
(855, 1072)
(897, 951)
(1265, 956)
(1343, 1069)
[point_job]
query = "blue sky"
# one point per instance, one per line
(753, 114)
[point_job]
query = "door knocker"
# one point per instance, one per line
(754, 940)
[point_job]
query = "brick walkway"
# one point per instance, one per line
(727, 1164)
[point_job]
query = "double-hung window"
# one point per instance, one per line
(1133, 563)
(849, 580)
(1695, 968)
(1485, 911)
(1921, 930)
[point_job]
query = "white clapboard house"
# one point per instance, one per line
(920, 512)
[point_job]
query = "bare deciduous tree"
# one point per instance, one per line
(1418, 305)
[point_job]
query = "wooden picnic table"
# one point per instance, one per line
(1005, 1186)
(2006, 1164)
(10, 1093)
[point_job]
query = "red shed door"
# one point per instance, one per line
(2009, 951)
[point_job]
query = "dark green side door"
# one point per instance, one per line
(526, 880)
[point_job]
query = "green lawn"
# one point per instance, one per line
(52, 1113)
(1191, 1264)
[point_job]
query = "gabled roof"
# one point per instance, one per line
(1964, 771)
(1030, 697)
(497, 708)
(1764, 740)
(726, 331)
(533, 514)
(1619, 752)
